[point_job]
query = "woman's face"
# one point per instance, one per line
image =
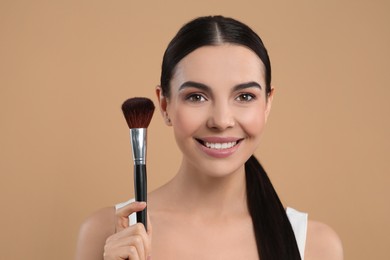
(217, 108)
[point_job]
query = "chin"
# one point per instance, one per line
(220, 168)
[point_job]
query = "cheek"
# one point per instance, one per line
(187, 121)
(252, 122)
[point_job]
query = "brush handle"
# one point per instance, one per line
(140, 188)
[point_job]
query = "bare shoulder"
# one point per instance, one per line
(322, 242)
(93, 234)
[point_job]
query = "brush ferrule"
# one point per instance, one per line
(138, 144)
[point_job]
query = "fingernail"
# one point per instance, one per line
(149, 257)
(141, 203)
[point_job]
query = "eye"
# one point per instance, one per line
(196, 98)
(245, 97)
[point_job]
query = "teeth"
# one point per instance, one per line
(220, 146)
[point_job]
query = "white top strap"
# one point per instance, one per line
(298, 222)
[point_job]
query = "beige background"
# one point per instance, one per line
(66, 67)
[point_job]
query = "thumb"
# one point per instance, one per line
(122, 214)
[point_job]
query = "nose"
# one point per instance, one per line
(221, 117)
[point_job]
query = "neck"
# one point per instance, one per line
(209, 195)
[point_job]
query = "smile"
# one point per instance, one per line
(219, 143)
(220, 146)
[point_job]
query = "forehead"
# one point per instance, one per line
(228, 64)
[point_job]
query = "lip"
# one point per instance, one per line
(218, 153)
(219, 139)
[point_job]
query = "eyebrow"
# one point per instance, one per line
(251, 84)
(205, 88)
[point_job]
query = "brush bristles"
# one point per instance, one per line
(138, 112)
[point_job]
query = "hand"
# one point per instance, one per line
(129, 242)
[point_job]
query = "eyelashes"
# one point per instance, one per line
(246, 97)
(199, 98)
(196, 98)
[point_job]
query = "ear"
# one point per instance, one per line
(163, 105)
(269, 102)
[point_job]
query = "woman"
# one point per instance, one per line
(216, 94)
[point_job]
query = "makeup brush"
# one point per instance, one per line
(138, 112)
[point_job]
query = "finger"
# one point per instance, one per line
(137, 229)
(123, 213)
(128, 244)
(128, 252)
(138, 243)
(132, 253)
(130, 208)
(133, 237)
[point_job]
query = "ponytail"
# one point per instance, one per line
(275, 238)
